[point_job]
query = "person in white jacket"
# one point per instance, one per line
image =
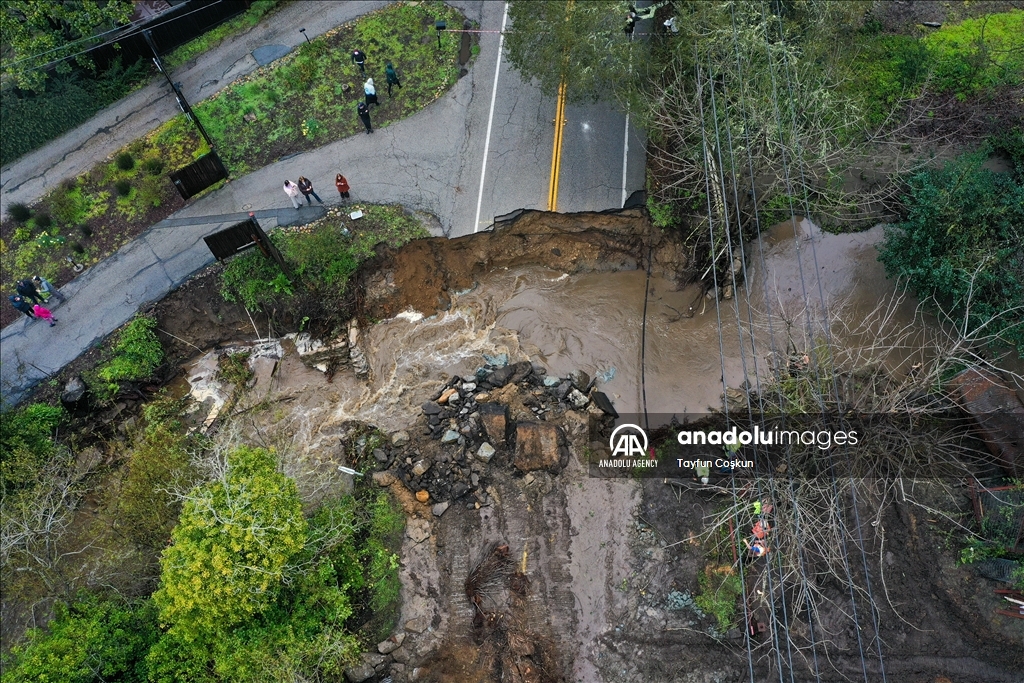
(292, 190)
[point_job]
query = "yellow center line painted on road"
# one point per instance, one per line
(556, 151)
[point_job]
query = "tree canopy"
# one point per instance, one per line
(35, 33)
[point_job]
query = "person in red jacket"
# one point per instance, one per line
(342, 185)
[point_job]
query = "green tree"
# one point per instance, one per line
(581, 44)
(961, 244)
(35, 33)
(231, 549)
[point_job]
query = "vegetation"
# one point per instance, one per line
(136, 355)
(91, 639)
(720, 588)
(298, 103)
(26, 444)
(322, 256)
(960, 243)
(248, 19)
(40, 33)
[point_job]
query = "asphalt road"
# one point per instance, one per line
(432, 161)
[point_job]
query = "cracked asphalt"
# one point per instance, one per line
(430, 161)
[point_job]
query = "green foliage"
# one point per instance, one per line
(719, 591)
(123, 188)
(28, 121)
(978, 54)
(18, 212)
(578, 43)
(88, 641)
(125, 161)
(960, 242)
(136, 354)
(235, 538)
(144, 507)
(662, 215)
(234, 369)
(26, 443)
(38, 33)
(386, 525)
(68, 204)
(153, 166)
(887, 70)
(215, 36)
(43, 221)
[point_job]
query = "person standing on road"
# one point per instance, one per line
(45, 314)
(392, 76)
(359, 58)
(28, 290)
(371, 92)
(22, 305)
(46, 288)
(293, 192)
(364, 116)
(342, 184)
(306, 188)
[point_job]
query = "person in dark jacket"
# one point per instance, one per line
(364, 116)
(27, 289)
(341, 183)
(306, 188)
(359, 58)
(22, 305)
(392, 76)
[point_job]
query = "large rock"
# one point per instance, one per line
(485, 452)
(501, 376)
(494, 418)
(520, 371)
(580, 379)
(391, 644)
(540, 446)
(359, 673)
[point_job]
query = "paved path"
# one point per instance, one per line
(431, 161)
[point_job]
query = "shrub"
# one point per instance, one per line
(22, 234)
(960, 242)
(77, 248)
(137, 354)
(90, 640)
(85, 230)
(19, 212)
(719, 590)
(123, 187)
(125, 161)
(43, 221)
(26, 443)
(153, 166)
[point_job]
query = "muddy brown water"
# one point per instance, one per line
(594, 322)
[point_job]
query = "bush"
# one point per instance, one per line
(123, 187)
(90, 640)
(26, 443)
(43, 221)
(18, 212)
(125, 161)
(77, 248)
(137, 354)
(153, 166)
(960, 242)
(85, 230)
(719, 590)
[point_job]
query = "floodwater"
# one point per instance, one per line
(594, 322)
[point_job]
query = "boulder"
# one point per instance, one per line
(495, 420)
(359, 673)
(400, 438)
(74, 392)
(417, 625)
(551, 381)
(578, 399)
(391, 644)
(520, 371)
(431, 408)
(418, 530)
(540, 446)
(501, 376)
(579, 379)
(562, 390)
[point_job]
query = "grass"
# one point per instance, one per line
(214, 37)
(720, 588)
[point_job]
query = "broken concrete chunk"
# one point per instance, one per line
(578, 399)
(359, 673)
(440, 508)
(495, 420)
(417, 625)
(485, 452)
(391, 644)
(539, 446)
(400, 438)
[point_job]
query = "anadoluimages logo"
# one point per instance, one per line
(628, 444)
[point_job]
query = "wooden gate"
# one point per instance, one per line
(199, 175)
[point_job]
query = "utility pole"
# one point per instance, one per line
(183, 104)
